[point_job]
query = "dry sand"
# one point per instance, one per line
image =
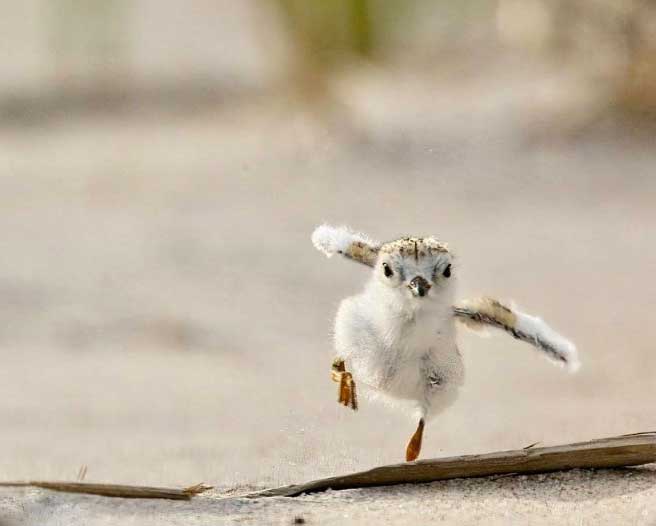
(576, 497)
(166, 320)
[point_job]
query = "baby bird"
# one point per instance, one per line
(398, 336)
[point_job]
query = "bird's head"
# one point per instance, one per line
(418, 268)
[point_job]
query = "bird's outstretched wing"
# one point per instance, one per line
(488, 312)
(341, 240)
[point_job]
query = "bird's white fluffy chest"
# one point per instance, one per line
(405, 350)
(424, 350)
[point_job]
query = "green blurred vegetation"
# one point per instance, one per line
(610, 42)
(334, 30)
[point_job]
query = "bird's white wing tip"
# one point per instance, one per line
(566, 353)
(573, 363)
(332, 240)
(325, 240)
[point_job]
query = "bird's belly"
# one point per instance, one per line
(400, 367)
(404, 378)
(389, 373)
(411, 374)
(407, 381)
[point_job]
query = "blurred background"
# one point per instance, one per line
(164, 318)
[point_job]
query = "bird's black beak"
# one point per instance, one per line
(419, 287)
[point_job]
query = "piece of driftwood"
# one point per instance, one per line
(114, 490)
(626, 450)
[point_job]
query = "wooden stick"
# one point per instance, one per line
(626, 450)
(114, 490)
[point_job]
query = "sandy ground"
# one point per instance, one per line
(166, 321)
(577, 497)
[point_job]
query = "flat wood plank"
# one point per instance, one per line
(626, 450)
(113, 490)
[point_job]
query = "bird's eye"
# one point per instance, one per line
(447, 271)
(388, 271)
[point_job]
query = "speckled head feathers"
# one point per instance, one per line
(358, 247)
(417, 247)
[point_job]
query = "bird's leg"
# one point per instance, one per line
(346, 394)
(414, 446)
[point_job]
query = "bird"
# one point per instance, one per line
(397, 338)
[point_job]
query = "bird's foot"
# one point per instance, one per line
(414, 446)
(346, 393)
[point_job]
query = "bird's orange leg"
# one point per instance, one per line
(414, 446)
(346, 393)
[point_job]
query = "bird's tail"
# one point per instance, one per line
(487, 312)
